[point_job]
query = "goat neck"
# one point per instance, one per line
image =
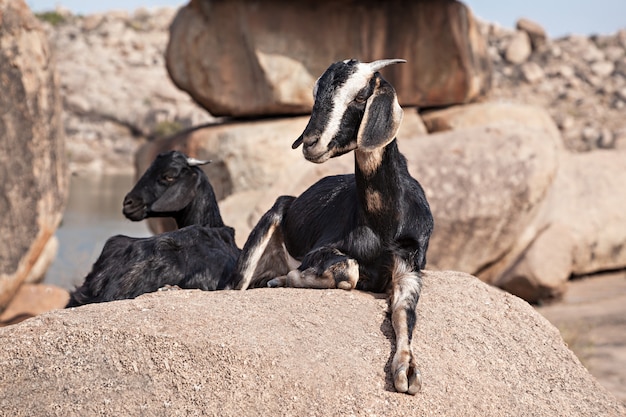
(379, 176)
(203, 209)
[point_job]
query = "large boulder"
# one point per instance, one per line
(485, 185)
(32, 156)
(115, 86)
(581, 228)
(244, 58)
(295, 352)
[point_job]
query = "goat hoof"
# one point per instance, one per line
(168, 287)
(344, 285)
(276, 282)
(408, 380)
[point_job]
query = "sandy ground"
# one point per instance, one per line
(592, 320)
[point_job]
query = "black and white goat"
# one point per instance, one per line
(201, 254)
(368, 231)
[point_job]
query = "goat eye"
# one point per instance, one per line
(360, 99)
(168, 178)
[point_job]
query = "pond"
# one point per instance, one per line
(93, 214)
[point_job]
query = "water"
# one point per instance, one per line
(93, 214)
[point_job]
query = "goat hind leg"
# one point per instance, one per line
(405, 293)
(253, 261)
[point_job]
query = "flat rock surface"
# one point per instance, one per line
(295, 352)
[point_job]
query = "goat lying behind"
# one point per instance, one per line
(201, 255)
(369, 230)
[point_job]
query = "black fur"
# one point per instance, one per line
(192, 257)
(331, 213)
(201, 254)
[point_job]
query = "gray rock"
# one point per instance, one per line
(532, 72)
(536, 33)
(602, 68)
(519, 48)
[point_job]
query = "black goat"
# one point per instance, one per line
(201, 254)
(368, 231)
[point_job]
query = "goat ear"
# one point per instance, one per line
(382, 117)
(176, 197)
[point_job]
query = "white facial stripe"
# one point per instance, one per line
(343, 97)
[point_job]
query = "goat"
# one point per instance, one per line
(369, 230)
(201, 254)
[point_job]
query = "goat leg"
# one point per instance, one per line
(405, 293)
(259, 258)
(323, 268)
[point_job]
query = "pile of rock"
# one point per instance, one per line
(117, 92)
(580, 80)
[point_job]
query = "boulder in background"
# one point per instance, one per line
(32, 154)
(244, 59)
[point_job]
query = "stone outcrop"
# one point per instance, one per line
(580, 228)
(242, 58)
(484, 185)
(295, 352)
(32, 154)
(31, 300)
(579, 80)
(115, 87)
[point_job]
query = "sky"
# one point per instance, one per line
(558, 17)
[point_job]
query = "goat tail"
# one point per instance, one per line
(257, 242)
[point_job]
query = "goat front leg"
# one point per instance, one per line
(323, 268)
(405, 293)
